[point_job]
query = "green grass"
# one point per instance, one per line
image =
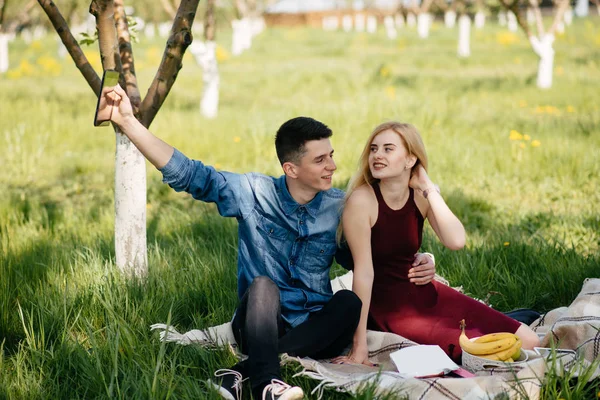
(71, 327)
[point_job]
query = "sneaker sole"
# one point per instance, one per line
(222, 392)
(295, 393)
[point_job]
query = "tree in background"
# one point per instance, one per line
(542, 43)
(206, 56)
(130, 167)
(8, 29)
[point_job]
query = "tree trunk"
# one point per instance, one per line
(423, 23)
(371, 24)
(450, 18)
(411, 20)
(390, 28)
(464, 36)
(4, 52)
(399, 20)
(512, 22)
(130, 208)
(237, 37)
(359, 22)
(581, 8)
(479, 19)
(502, 18)
(347, 23)
(544, 49)
(568, 16)
(205, 54)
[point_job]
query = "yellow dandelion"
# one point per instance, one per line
(384, 72)
(506, 243)
(390, 91)
(14, 74)
(148, 206)
(539, 110)
(536, 143)
(36, 45)
(222, 54)
(436, 122)
(559, 71)
(237, 139)
(217, 166)
(27, 69)
(506, 38)
(526, 137)
(514, 135)
(522, 145)
(517, 60)
(570, 109)
(49, 65)
(522, 103)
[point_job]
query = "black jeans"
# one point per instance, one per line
(262, 334)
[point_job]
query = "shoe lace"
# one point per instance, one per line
(237, 382)
(276, 387)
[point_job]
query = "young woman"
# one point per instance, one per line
(386, 204)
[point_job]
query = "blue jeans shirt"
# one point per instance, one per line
(292, 244)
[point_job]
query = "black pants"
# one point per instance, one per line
(262, 335)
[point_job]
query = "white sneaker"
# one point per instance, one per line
(229, 386)
(278, 390)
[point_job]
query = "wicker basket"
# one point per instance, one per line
(476, 364)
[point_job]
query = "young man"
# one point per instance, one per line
(287, 243)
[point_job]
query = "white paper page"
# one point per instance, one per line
(422, 360)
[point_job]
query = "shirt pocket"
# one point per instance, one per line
(276, 238)
(319, 254)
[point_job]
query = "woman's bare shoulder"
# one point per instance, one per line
(362, 196)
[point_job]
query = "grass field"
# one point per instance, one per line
(71, 327)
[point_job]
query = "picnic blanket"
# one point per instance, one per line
(576, 327)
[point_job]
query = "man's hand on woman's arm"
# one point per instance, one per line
(155, 150)
(423, 270)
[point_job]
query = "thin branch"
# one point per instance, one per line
(180, 39)
(425, 5)
(168, 7)
(242, 8)
(538, 17)
(514, 7)
(560, 11)
(61, 27)
(2, 13)
(126, 52)
(209, 21)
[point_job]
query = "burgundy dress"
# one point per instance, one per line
(426, 314)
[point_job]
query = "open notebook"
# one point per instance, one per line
(423, 361)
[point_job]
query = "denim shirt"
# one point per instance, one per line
(292, 244)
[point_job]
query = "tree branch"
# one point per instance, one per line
(209, 21)
(514, 7)
(180, 39)
(538, 17)
(2, 13)
(126, 52)
(168, 7)
(560, 11)
(61, 27)
(104, 12)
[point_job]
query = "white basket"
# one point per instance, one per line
(476, 364)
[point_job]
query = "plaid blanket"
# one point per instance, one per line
(576, 327)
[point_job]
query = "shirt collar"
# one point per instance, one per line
(290, 205)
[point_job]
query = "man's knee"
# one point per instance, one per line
(264, 285)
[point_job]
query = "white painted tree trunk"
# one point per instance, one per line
(411, 20)
(163, 29)
(399, 20)
(390, 28)
(450, 18)
(248, 33)
(560, 27)
(347, 23)
(423, 23)
(502, 18)
(464, 36)
(130, 208)
(513, 26)
(205, 54)
(544, 49)
(568, 17)
(359, 22)
(371, 24)
(581, 8)
(237, 39)
(3, 52)
(150, 30)
(257, 25)
(479, 19)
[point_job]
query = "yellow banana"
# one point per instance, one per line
(513, 352)
(483, 348)
(491, 337)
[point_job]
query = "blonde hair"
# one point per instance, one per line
(412, 142)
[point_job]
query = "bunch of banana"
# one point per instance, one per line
(501, 346)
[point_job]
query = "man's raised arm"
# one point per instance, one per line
(155, 150)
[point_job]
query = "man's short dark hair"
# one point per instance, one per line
(293, 134)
